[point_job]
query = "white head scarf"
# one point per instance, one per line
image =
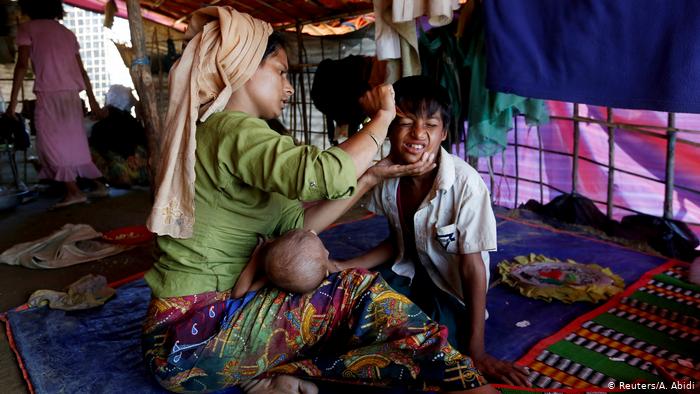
(225, 49)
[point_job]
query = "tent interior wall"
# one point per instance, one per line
(525, 169)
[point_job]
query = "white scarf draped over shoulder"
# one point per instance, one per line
(225, 49)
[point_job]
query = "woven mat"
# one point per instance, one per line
(648, 333)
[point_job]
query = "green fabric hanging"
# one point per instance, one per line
(460, 67)
(490, 114)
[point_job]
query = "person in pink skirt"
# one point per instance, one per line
(61, 140)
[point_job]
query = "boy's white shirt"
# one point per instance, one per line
(455, 218)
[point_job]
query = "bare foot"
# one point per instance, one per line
(69, 201)
(281, 384)
(100, 191)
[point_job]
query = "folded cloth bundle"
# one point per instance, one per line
(72, 244)
(87, 292)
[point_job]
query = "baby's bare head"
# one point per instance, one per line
(297, 261)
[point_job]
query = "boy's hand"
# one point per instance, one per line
(497, 370)
(379, 99)
(386, 168)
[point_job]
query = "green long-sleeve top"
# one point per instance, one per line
(249, 181)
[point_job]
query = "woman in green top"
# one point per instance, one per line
(226, 177)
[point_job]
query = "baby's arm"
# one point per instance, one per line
(247, 280)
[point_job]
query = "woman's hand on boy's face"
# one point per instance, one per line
(386, 168)
(379, 98)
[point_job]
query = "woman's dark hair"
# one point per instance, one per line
(42, 9)
(275, 42)
(422, 96)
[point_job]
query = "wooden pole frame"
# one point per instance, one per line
(143, 81)
(611, 163)
(670, 135)
(541, 158)
(517, 171)
(302, 84)
(574, 166)
(670, 166)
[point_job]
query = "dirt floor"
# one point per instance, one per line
(34, 220)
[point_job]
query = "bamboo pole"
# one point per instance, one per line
(611, 162)
(601, 164)
(143, 81)
(517, 173)
(492, 181)
(295, 110)
(302, 85)
(539, 149)
(159, 94)
(670, 166)
(574, 167)
(562, 191)
(623, 125)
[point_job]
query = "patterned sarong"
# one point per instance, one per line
(352, 329)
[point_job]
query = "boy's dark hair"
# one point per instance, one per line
(422, 96)
(42, 9)
(275, 42)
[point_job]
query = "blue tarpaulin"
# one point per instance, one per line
(637, 54)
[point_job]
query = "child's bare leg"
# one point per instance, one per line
(73, 192)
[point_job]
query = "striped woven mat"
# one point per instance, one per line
(648, 333)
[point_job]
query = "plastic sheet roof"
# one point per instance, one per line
(174, 13)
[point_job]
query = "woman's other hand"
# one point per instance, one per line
(386, 168)
(379, 100)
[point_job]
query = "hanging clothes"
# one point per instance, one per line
(395, 30)
(460, 66)
(490, 114)
(641, 54)
(395, 40)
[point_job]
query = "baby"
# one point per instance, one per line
(296, 262)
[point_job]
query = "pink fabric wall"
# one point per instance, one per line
(637, 153)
